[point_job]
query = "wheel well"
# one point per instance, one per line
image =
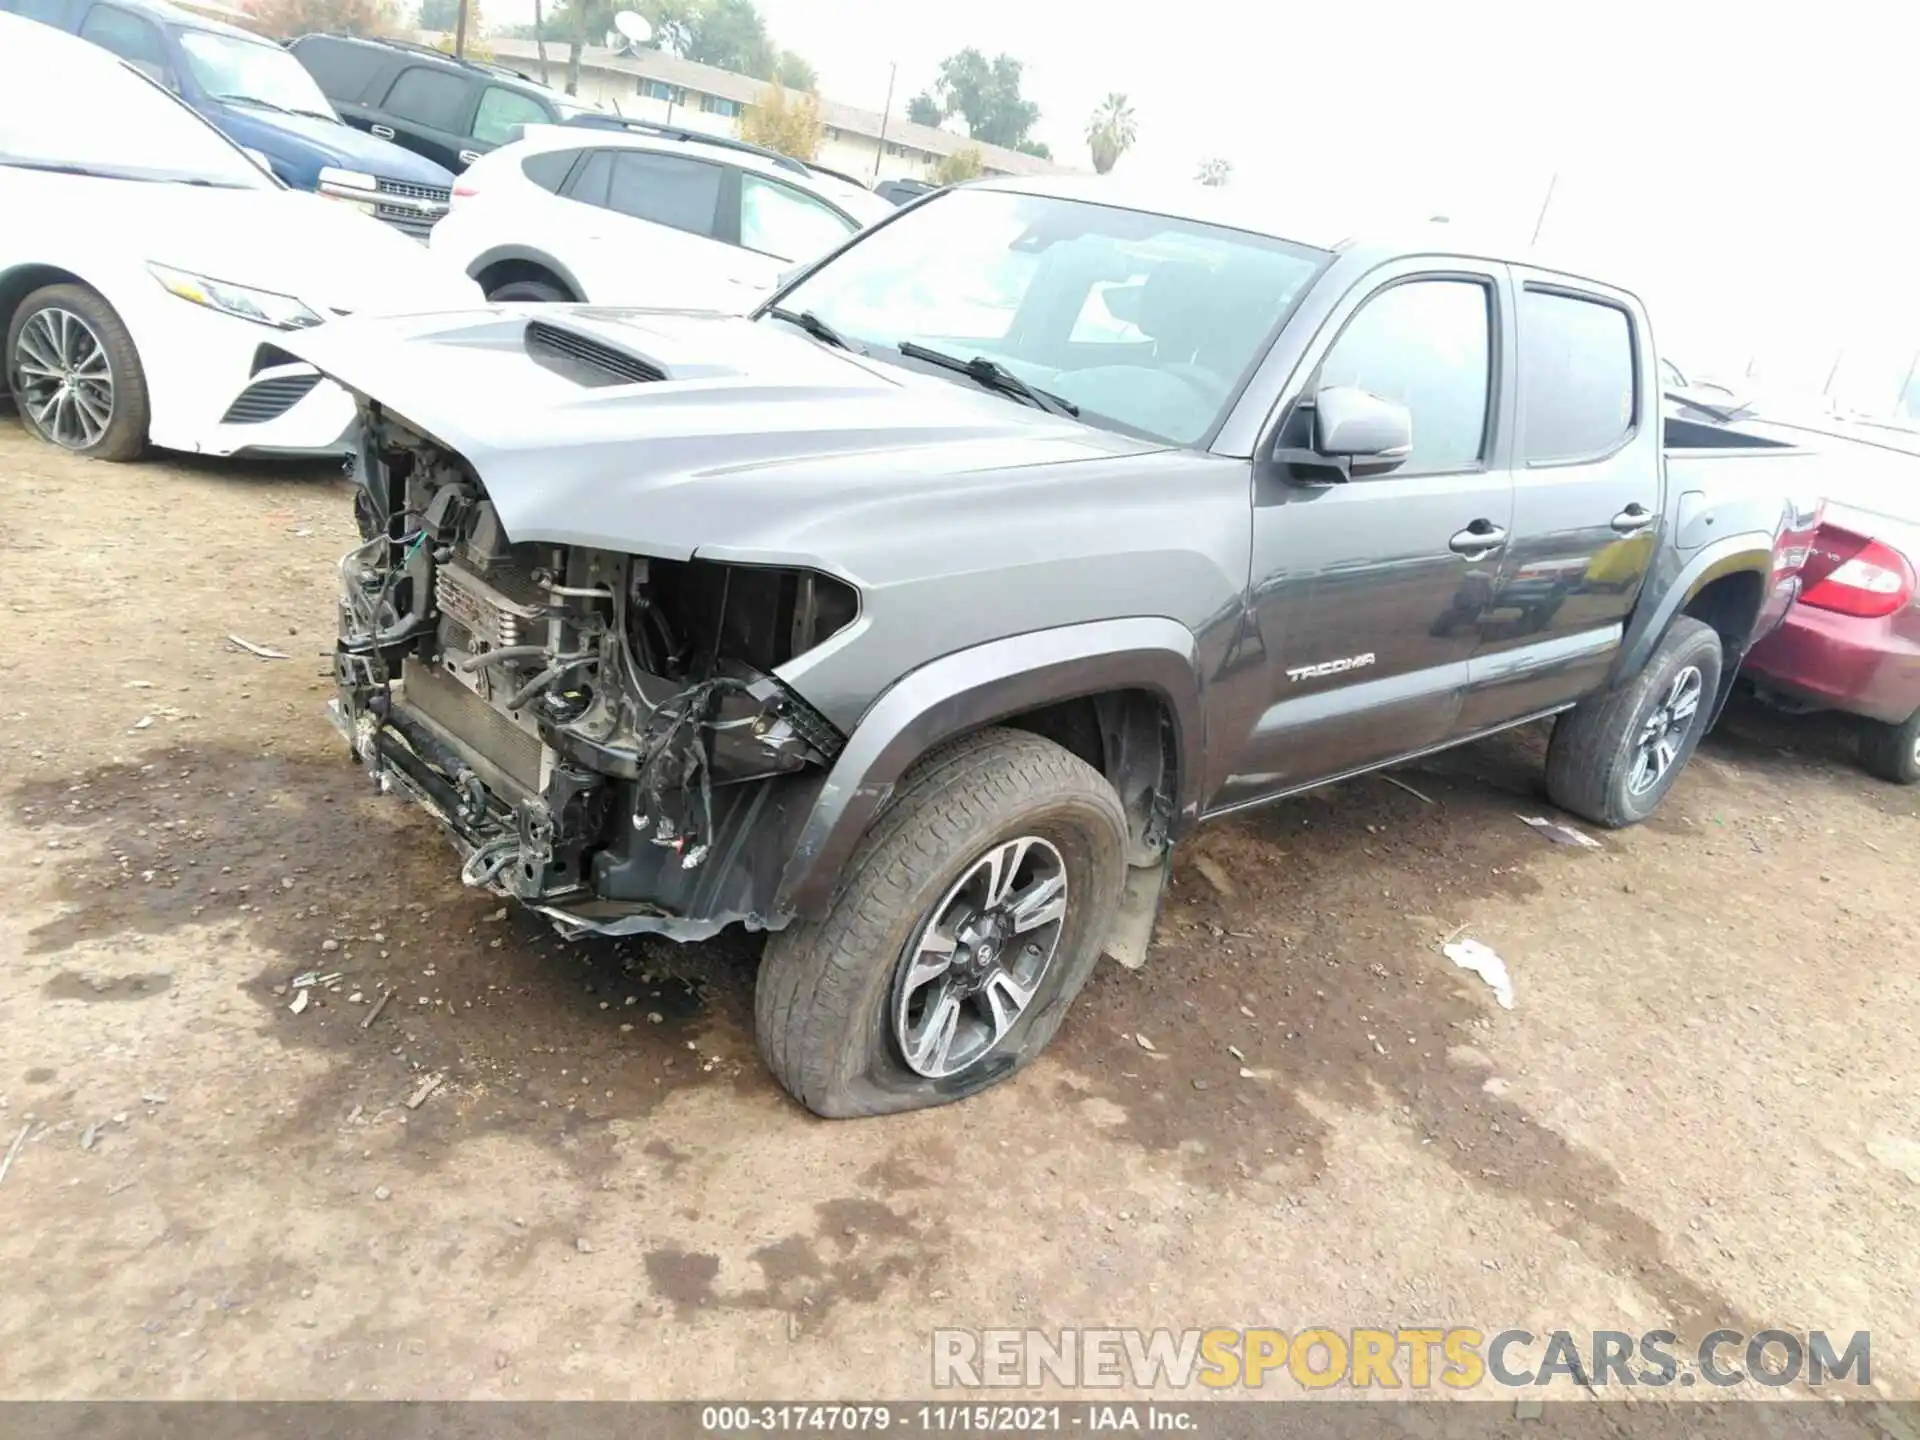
(505, 272)
(1128, 736)
(1731, 605)
(16, 285)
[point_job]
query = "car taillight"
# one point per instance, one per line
(1857, 576)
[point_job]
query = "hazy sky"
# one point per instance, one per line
(1746, 167)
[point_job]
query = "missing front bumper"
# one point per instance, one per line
(622, 883)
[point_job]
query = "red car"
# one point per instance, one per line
(1852, 641)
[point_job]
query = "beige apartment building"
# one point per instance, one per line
(652, 85)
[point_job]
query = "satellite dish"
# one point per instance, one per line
(631, 31)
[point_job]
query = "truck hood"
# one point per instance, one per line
(752, 438)
(302, 144)
(327, 254)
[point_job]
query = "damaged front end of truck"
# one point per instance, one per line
(601, 734)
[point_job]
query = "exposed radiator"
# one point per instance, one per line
(485, 612)
(480, 728)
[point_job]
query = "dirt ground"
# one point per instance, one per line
(1702, 1109)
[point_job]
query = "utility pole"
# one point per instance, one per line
(1552, 180)
(880, 151)
(460, 32)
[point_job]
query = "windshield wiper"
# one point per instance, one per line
(813, 325)
(254, 100)
(991, 375)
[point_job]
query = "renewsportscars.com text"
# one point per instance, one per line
(1417, 1357)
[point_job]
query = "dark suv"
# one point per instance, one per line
(451, 111)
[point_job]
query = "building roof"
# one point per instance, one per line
(710, 80)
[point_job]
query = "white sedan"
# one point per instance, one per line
(147, 265)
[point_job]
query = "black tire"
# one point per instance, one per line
(1892, 752)
(540, 290)
(125, 435)
(824, 1001)
(1596, 746)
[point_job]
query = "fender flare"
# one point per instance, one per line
(493, 255)
(1751, 552)
(970, 688)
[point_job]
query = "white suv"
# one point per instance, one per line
(643, 216)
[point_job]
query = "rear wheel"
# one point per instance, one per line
(1613, 758)
(1892, 752)
(540, 290)
(969, 918)
(75, 374)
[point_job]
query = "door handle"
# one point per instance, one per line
(1635, 517)
(385, 132)
(1478, 540)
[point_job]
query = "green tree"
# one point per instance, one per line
(796, 72)
(784, 122)
(1214, 171)
(439, 14)
(731, 35)
(1035, 147)
(1110, 132)
(984, 93)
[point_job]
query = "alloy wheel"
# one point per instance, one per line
(63, 378)
(1665, 731)
(974, 966)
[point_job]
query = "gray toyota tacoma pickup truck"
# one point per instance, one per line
(915, 617)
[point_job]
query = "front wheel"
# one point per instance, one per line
(1892, 752)
(968, 920)
(75, 374)
(1613, 758)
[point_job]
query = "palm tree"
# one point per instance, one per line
(1110, 131)
(1214, 171)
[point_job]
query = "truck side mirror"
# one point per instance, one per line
(1353, 424)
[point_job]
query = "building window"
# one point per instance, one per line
(657, 90)
(715, 105)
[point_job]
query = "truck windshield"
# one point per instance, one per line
(116, 124)
(1147, 323)
(250, 72)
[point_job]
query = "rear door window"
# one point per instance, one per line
(667, 190)
(502, 113)
(431, 98)
(1576, 377)
(591, 179)
(342, 70)
(780, 221)
(128, 36)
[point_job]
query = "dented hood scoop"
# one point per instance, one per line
(661, 432)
